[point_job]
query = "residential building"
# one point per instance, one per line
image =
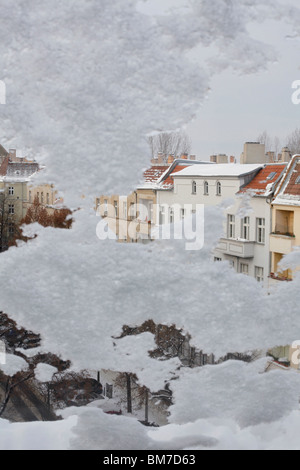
(246, 243)
(285, 233)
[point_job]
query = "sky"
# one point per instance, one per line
(240, 107)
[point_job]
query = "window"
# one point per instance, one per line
(11, 191)
(171, 215)
(125, 209)
(244, 268)
(271, 175)
(230, 226)
(162, 215)
(42, 198)
(217, 259)
(105, 206)
(29, 196)
(245, 233)
(260, 230)
(11, 209)
(11, 229)
(259, 274)
(182, 213)
(298, 180)
(48, 200)
(219, 188)
(116, 208)
(205, 188)
(194, 187)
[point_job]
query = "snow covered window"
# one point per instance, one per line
(219, 188)
(259, 274)
(194, 187)
(244, 268)
(245, 233)
(260, 230)
(11, 190)
(230, 226)
(205, 188)
(11, 209)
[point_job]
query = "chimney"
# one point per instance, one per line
(285, 154)
(213, 158)
(170, 159)
(192, 157)
(184, 156)
(12, 154)
(232, 159)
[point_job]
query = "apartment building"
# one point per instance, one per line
(246, 242)
(285, 233)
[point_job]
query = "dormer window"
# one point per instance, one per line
(194, 187)
(205, 188)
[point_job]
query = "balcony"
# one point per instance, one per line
(240, 248)
(280, 243)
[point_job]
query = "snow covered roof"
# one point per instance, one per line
(264, 183)
(288, 192)
(219, 170)
(17, 171)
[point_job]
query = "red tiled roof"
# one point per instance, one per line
(267, 175)
(153, 174)
(293, 188)
(168, 182)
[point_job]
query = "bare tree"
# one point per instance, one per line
(264, 138)
(293, 141)
(8, 226)
(169, 143)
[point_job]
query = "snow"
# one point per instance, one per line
(219, 170)
(44, 372)
(13, 364)
(102, 77)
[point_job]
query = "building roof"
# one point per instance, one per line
(219, 170)
(266, 180)
(153, 174)
(288, 192)
(16, 171)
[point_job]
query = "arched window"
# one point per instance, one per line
(206, 188)
(194, 187)
(219, 188)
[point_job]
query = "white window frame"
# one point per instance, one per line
(259, 273)
(206, 188)
(231, 226)
(219, 189)
(244, 268)
(11, 191)
(194, 187)
(260, 230)
(245, 228)
(11, 209)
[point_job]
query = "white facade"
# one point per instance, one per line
(208, 185)
(246, 243)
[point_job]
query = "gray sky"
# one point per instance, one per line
(240, 107)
